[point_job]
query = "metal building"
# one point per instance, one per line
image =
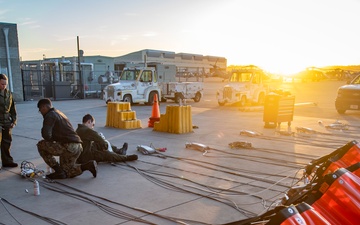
(185, 62)
(9, 58)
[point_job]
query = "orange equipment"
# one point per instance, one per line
(155, 114)
(337, 198)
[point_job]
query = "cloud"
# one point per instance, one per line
(186, 31)
(131, 14)
(150, 34)
(71, 38)
(119, 38)
(29, 23)
(3, 11)
(114, 42)
(35, 50)
(65, 38)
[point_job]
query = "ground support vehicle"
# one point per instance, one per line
(178, 91)
(246, 85)
(348, 96)
(140, 84)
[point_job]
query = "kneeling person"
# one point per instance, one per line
(96, 147)
(60, 139)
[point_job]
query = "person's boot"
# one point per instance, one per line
(91, 166)
(122, 151)
(10, 164)
(131, 157)
(58, 174)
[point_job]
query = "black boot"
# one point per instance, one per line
(122, 151)
(131, 157)
(10, 164)
(58, 174)
(91, 166)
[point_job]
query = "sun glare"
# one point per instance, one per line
(281, 37)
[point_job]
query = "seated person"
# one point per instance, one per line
(95, 147)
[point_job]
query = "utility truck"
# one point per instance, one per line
(140, 84)
(247, 85)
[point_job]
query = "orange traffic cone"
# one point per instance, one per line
(155, 114)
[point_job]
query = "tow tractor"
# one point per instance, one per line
(248, 84)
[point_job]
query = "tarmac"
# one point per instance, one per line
(179, 186)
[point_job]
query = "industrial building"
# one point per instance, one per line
(185, 62)
(9, 58)
(63, 78)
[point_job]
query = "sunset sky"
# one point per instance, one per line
(282, 36)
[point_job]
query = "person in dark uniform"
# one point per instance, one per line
(7, 122)
(61, 140)
(96, 147)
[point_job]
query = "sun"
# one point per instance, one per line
(278, 37)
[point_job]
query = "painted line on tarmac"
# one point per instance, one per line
(306, 104)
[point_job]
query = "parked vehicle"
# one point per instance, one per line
(178, 91)
(348, 96)
(311, 74)
(248, 84)
(140, 84)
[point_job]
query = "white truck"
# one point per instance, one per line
(140, 84)
(248, 84)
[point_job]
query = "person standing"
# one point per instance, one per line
(7, 122)
(96, 147)
(60, 139)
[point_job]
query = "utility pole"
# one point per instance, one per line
(80, 74)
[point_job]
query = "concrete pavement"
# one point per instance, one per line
(180, 186)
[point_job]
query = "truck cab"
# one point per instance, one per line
(348, 96)
(246, 85)
(136, 85)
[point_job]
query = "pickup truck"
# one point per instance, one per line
(140, 84)
(348, 96)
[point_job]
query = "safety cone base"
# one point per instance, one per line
(120, 115)
(155, 113)
(177, 119)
